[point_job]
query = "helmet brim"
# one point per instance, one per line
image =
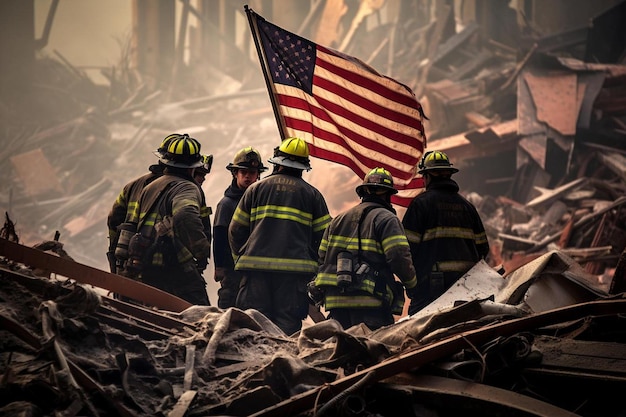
(360, 189)
(176, 164)
(232, 167)
(287, 162)
(451, 169)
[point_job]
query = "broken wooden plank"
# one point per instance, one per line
(500, 137)
(582, 355)
(92, 276)
(579, 223)
(615, 162)
(518, 68)
(583, 253)
(550, 195)
(447, 47)
(235, 357)
(189, 367)
(478, 119)
(517, 239)
(182, 405)
(236, 368)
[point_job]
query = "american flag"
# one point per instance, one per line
(346, 111)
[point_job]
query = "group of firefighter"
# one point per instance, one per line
(276, 249)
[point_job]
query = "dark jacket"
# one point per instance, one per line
(222, 255)
(383, 246)
(125, 205)
(446, 235)
(278, 225)
(183, 200)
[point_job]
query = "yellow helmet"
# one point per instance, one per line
(247, 158)
(182, 152)
(293, 153)
(377, 181)
(435, 160)
(162, 149)
(207, 163)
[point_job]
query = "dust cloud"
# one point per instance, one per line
(91, 35)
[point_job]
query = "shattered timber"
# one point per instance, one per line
(533, 115)
(66, 348)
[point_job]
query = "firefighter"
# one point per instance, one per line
(121, 218)
(246, 169)
(274, 235)
(444, 229)
(170, 248)
(360, 252)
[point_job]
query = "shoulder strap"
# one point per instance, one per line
(157, 202)
(363, 214)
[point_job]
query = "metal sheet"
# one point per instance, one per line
(554, 94)
(479, 283)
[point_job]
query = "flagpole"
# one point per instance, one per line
(263, 59)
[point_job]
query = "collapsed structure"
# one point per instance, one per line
(547, 340)
(538, 130)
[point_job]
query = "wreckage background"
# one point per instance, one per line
(69, 145)
(87, 59)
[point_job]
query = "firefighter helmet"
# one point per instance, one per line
(163, 147)
(182, 152)
(207, 162)
(247, 158)
(377, 181)
(293, 153)
(435, 160)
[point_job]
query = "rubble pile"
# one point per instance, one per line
(537, 131)
(67, 350)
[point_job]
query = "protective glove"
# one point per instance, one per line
(412, 293)
(315, 293)
(220, 273)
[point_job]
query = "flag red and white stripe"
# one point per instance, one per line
(344, 109)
